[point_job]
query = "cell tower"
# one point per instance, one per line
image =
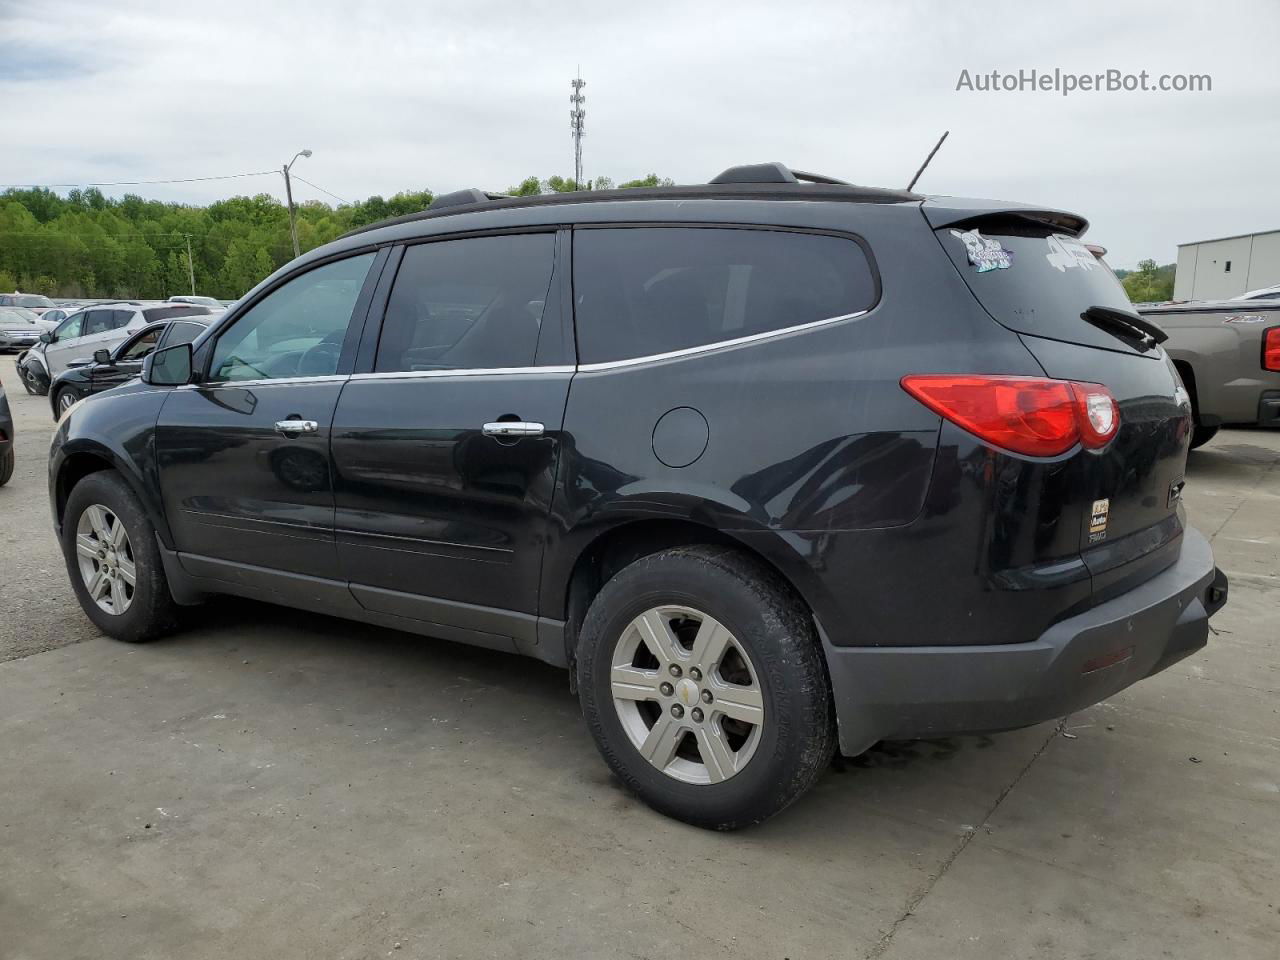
(577, 116)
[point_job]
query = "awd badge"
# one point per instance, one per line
(1098, 520)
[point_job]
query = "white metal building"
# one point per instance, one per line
(1218, 269)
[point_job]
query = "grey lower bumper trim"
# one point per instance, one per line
(909, 692)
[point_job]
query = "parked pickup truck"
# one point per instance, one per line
(1228, 353)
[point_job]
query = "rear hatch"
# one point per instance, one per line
(1038, 279)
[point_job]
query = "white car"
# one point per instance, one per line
(1263, 293)
(215, 306)
(102, 326)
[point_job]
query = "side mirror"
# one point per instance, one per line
(102, 356)
(47, 337)
(170, 367)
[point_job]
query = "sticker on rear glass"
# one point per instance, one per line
(984, 253)
(1098, 520)
(1066, 253)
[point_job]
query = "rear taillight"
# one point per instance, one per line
(1028, 415)
(1271, 349)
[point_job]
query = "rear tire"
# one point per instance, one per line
(1202, 435)
(107, 539)
(6, 466)
(736, 714)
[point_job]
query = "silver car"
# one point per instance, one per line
(20, 328)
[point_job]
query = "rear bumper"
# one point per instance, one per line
(911, 692)
(1269, 409)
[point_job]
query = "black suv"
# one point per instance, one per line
(771, 464)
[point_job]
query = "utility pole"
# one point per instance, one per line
(288, 192)
(577, 116)
(191, 266)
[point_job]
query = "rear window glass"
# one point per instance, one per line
(1035, 281)
(642, 291)
(177, 310)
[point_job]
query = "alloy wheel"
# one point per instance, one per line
(687, 694)
(66, 401)
(105, 558)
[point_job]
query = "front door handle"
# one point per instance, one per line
(514, 428)
(296, 428)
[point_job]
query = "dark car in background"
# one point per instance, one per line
(770, 464)
(6, 439)
(110, 368)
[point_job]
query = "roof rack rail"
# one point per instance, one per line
(458, 198)
(771, 173)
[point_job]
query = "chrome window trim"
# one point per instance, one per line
(463, 372)
(717, 345)
(264, 382)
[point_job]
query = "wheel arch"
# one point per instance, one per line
(627, 541)
(78, 460)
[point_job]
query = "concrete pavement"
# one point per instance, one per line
(276, 784)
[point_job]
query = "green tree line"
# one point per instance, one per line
(1149, 283)
(85, 244)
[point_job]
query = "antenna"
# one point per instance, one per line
(927, 159)
(577, 118)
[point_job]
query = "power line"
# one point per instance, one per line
(320, 188)
(138, 183)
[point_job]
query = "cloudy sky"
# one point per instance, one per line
(394, 96)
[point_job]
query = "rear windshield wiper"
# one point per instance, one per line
(1126, 325)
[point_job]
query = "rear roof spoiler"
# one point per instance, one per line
(950, 211)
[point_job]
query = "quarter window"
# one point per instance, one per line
(642, 291)
(467, 304)
(297, 330)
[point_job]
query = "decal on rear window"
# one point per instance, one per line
(984, 253)
(1067, 252)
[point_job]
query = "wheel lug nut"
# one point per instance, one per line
(706, 696)
(675, 669)
(677, 711)
(695, 673)
(696, 714)
(666, 688)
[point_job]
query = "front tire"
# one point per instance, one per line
(66, 399)
(704, 685)
(114, 562)
(6, 466)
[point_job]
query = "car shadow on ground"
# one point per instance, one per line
(938, 782)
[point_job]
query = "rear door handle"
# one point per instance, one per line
(295, 428)
(514, 428)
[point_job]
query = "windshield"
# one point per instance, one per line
(31, 300)
(16, 315)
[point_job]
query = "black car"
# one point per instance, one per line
(6, 439)
(771, 464)
(110, 368)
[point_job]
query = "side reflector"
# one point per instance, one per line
(1027, 415)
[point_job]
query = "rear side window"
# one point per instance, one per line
(467, 304)
(641, 291)
(99, 321)
(182, 331)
